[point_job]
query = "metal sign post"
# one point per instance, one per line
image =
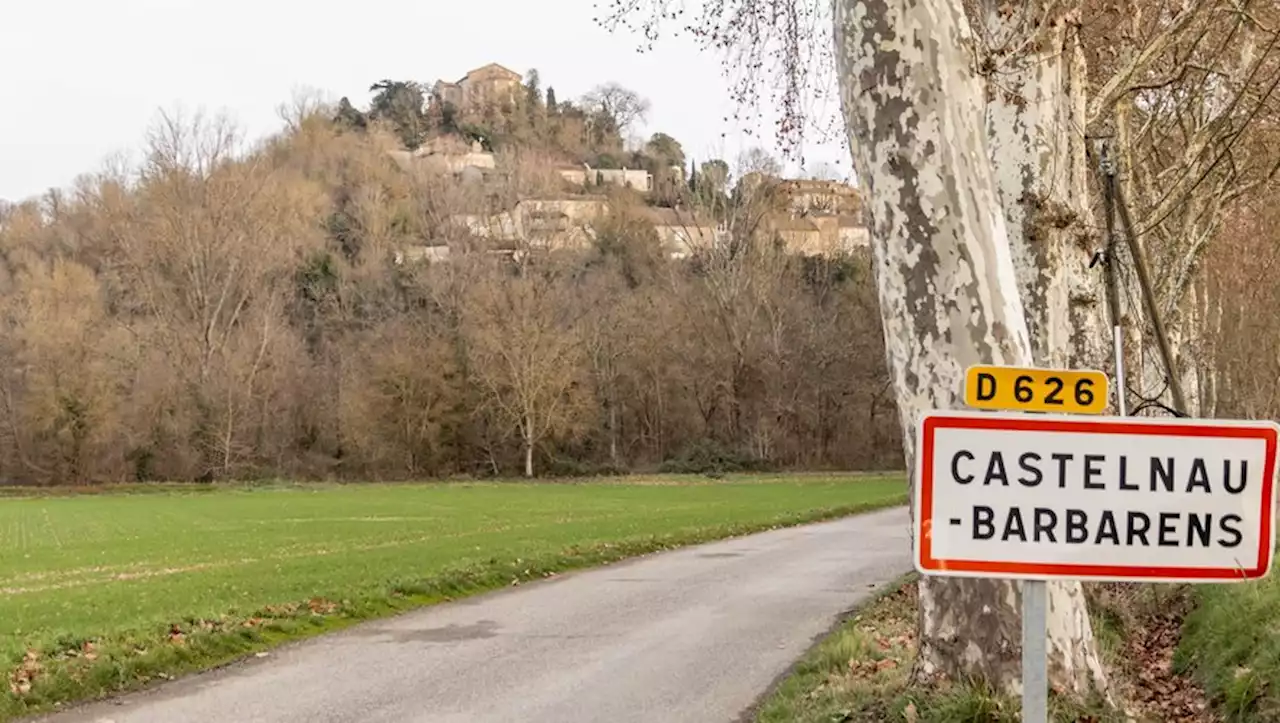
(1035, 596)
(1035, 632)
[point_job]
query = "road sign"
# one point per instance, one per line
(1036, 390)
(1115, 498)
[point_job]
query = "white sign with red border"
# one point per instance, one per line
(1104, 498)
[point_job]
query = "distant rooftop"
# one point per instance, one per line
(484, 69)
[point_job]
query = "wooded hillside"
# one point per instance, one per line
(232, 311)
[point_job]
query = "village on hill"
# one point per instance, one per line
(541, 173)
(468, 277)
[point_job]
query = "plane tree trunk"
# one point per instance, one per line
(949, 291)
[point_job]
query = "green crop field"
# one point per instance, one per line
(103, 592)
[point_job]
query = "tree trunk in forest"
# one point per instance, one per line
(613, 430)
(949, 294)
(527, 434)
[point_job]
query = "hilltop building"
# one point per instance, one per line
(489, 84)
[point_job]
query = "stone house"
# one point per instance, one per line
(639, 179)
(448, 154)
(807, 196)
(681, 232)
(852, 233)
(803, 196)
(799, 234)
(584, 175)
(812, 217)
(501, 227)
(566, 223)
(573, 174)
(821, 234)
(558, 223)
(454, 158)
(420, 253)
(578, 208)
(491, 84)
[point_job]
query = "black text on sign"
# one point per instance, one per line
(1036, 390)
(1035, 497)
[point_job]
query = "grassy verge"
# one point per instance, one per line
(105, 593)
(861, 672)
(1138, 627)
(1231, 645)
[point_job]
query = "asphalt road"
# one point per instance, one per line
(696, 634)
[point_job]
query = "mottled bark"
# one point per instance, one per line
(948, 289)
(1036, 106)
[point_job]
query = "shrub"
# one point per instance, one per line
(563, 467)
(707, 456)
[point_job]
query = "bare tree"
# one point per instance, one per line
(622, 106)
(61, 382)
(1246, 370)
(404, 399)
(742, 276)
(305, 105)
(757, 160)
(825, 171)
(208, 248)
(1187, 103)
(524, 340)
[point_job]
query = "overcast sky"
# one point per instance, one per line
(84, 78)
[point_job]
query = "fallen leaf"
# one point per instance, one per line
(320, 606)
(21, 678)
(910, 714)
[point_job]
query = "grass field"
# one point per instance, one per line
(103, 592)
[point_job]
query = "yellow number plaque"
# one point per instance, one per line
(1036, 390)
